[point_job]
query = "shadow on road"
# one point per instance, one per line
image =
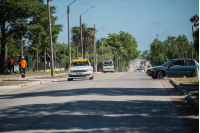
(104, 116)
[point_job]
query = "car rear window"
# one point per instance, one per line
(80, 63)
(189, 63)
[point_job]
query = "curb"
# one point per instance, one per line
(16, 87)
(184, 91)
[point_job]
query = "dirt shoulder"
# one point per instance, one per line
(188, 114)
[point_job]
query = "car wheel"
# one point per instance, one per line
(70, 79)
(193, 74)
(154, 77)
(160, 75)
(91, 78)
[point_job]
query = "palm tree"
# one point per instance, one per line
(87, 36)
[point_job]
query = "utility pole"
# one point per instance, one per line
(95, 61)
(50, 37)
(109, 52)
(21, 47)
(45, 59)
(117, 62)
(69, 45)
(81, 38)
(64, 58)
(102, 53)
(77, 49)
(192, 49)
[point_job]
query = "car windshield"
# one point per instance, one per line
(167, 63)
(108, 63)
(80, 63)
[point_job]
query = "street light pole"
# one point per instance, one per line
(81, 39)
(50, 37)
(95, 65)
(69, 45)
(102, 52)
(64, 58)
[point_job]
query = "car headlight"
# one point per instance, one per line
(70, 70)
(152, 69)
(87, 70)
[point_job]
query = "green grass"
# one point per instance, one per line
(8, 83)
(53, 77)
(189, 81)
(29, 73)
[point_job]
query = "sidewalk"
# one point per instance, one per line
(188, 91)
(36, 81)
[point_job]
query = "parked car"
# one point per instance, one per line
(80, 68)
(148, 72)
(148, 66)
(139, 70)
(174, 68)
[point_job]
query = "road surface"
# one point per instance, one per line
(126, 102)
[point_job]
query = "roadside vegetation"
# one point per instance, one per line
(8, 83)
(174, 47)
(189, 81)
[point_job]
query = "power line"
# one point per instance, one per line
(62, 17)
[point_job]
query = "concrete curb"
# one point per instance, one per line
(7, 89)
(185, 91)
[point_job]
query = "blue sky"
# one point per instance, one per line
(141, 18)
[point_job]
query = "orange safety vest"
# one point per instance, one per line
(23, 63)
(12, 61)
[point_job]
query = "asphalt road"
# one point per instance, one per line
(126, 102)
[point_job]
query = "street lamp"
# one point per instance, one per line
(81, 30)
(116, 59)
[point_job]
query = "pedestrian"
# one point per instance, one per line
(12, 63)
(9, 63)
(23, 64)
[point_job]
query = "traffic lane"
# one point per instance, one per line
(113, 102)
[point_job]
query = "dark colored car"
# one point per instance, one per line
(174, 68)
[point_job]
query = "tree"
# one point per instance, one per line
(16, 16)
(87, 37)
(195, 20)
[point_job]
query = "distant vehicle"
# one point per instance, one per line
(148, 66)
(139, 70)
(144, 62)
(175, 68)
(129, 65)
(80, 68)
(108, 66)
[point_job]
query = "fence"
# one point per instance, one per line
(48, 65)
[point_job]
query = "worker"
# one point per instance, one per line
(23, 64)
(9, 63)
(12, 63)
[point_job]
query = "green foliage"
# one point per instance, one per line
(87, 37)
(196, 40)
(171, 48)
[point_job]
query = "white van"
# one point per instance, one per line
(108, 66)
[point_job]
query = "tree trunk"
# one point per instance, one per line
(84, 52)
(3, 60)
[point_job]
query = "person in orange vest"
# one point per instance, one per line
(9, 63)
(23, 66)
(12, 63)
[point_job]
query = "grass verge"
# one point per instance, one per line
(52, 77)
(189, 81)
(29, 74)
(8, 83)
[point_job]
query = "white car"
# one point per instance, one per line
(80, 68)
(139, 70)
(129, 65)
